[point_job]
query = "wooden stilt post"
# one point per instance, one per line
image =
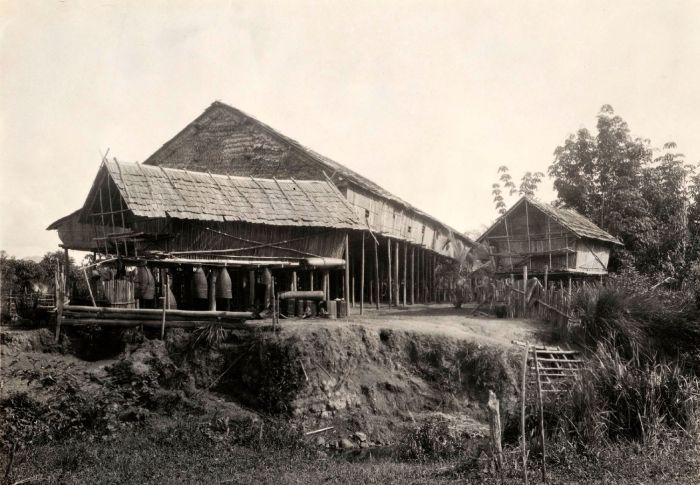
(293, 286)
(405, 283)
(376, 275)
(346, 285)
(524, 291)
(413, 276)
(546, 277)
(326, 285)
(164, 292)
(59, 299)
(251, 288)
(423, 284)
(311, 280)
(66, 273)
(523, 397)
(431, 277)
(390, 288)
(396, 274)
(362, 276)
(352, 291)
(211, 290)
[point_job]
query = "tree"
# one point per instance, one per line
(613, 179)
(528, 186)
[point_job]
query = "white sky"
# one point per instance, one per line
(426, 98)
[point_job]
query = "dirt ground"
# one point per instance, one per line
(440, 320)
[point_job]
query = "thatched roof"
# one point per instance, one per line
(155, 192)
(569, 218)
(212, 142)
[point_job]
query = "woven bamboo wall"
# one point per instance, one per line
(182, 235)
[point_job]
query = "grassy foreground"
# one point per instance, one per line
(181, 451)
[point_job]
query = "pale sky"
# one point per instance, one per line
(426, 98)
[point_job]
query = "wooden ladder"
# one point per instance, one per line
(552, 369)
(556, 368)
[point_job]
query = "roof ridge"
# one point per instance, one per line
(559, 217)
(348, 173)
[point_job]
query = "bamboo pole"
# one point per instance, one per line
(77, 311)
(362, 275)
(523, 396)
(126, 323)
(87, 282)
(539, 399)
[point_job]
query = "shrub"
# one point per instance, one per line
(432, 440)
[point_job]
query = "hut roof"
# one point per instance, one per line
(151, 191)
(569, 218)
(334, 169)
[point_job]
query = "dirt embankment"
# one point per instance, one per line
(356, 377)
(367, 378)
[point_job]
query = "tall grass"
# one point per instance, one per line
(620, 399)
(645, 323)
(642, 379)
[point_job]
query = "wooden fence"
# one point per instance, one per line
(528, 298)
